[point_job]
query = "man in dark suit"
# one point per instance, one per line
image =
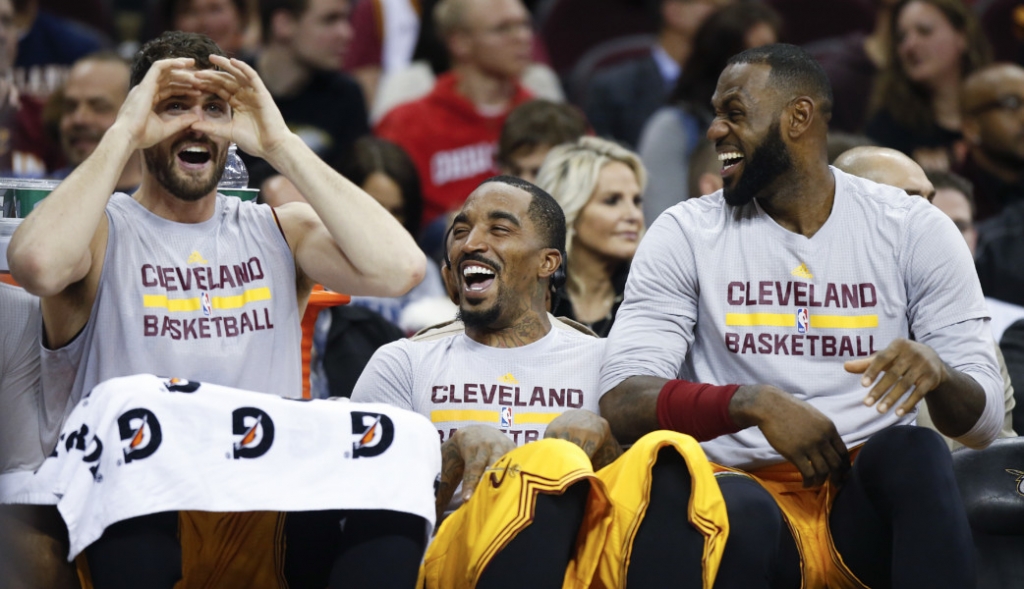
(620, 99)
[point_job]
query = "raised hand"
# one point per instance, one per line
(800, 433)
(590, 432)
(902, 364)
(140, 116)
(465, 457)
(256, 124)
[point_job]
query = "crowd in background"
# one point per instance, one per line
(418, 101)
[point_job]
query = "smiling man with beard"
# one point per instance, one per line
(791, 323)
(179, 280)
(513, 401)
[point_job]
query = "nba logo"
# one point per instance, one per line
(204, 299)
(506, 417)
(802, 321)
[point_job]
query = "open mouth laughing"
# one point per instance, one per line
(194, 157)
(730, 161)
(476, 277)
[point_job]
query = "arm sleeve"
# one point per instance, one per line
(967, 347)
(947, 312)
(387, 378)
(653, 329)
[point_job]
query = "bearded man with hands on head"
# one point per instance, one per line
(181, 281)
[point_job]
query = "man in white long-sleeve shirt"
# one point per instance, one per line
(792, 295)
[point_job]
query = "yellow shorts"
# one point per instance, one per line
(806, 512)
(504, 501)
(225, 551)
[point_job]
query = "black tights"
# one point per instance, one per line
(539, 555)
(667, 550)
(898, 521)
(323, 549)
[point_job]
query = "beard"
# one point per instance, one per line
(163, 166)
(769, 161)
(478, 319)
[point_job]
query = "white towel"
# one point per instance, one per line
(143, 444)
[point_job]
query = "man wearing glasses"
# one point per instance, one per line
(993, 126)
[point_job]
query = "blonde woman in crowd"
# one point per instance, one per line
(598, 184)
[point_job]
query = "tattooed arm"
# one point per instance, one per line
(464, 457)
(590, 432)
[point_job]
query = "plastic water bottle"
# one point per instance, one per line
(235, 175)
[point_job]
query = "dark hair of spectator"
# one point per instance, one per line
(539, 122)
(371, 155)
(910, 103)
(169, 9)
(268, 8)
(794, 70)
(174, 44)
(955, 182)
(722, 35)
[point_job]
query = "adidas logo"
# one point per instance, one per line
(801, 271)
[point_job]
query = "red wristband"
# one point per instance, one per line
(695, 409)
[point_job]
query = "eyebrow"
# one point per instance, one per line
(497, 215)
(731, 95)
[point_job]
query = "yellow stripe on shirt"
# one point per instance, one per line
(443, 415)
(789, 320)
(194, 304)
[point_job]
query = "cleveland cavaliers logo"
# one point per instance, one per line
(140, 429)
(374, 433)
(255, 431)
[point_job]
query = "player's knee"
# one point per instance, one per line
(907, 451)
(753, 513)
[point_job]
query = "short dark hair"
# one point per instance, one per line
(792, 69)
(169, 9)
(268, 8)
(957, 182)
(544, 211)
(539, 122)
(371, 154)
(174, 44)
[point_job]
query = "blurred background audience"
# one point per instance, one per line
(674, 131)
(457, 90)
(933, 46)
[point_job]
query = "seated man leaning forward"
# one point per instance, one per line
(536, 515)
(181, 281)
(802, 286)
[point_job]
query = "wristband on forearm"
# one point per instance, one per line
(695, 409)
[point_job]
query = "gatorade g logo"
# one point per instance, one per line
(140, 428)
(180, 385)
(255, 430)
(374, 433)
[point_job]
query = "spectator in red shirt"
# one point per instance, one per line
(451, 133)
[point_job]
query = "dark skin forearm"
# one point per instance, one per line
(957, 404)
(631, 408)
(798, 431)
(955, 400)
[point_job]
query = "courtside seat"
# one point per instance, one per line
(991, 482)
